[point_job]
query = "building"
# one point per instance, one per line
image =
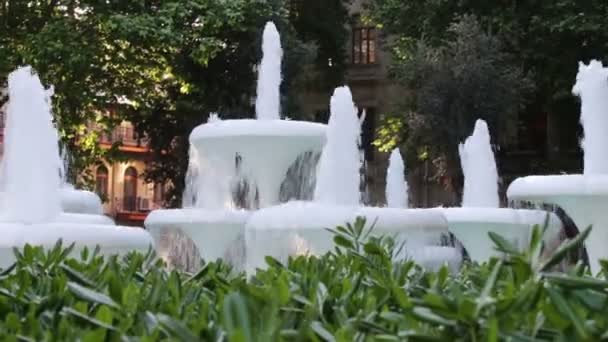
(126, 196)
(538, 143)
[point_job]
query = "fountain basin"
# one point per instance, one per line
(471, 227)
(299, 228)
(267, 148)
(80, 201)
(85, 219)
(218, 234)
(583, 197)
(111, 239)
(433, 258)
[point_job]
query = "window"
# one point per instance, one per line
(364, 45)
(130, 190)
(101, 182)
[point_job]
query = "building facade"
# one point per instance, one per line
(126, 196)
(537, 142)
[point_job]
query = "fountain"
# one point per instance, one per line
(583, 197)
(78, 205)
(396, 185)
(298, 228)
(31, 211)
(262, 149)
(480, 212)
(430, 257)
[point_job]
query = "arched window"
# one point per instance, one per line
(130, 190)
(101, 181)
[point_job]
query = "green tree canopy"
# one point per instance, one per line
(543, 39)
(164, 65)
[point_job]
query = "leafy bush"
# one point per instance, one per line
(355, 293)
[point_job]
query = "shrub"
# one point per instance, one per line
(354, 293)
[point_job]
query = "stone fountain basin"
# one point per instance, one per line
(267, 147)
(472, 225)
(433, 258)
(77, 201)
(217, 234)
(583, 197)
(299, 228)
(80, 201)
(111, 239)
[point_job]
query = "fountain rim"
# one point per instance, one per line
(542, 187)
(430, 220)
(50, 232)
(196, 215)
(254, 127)
(492, 215)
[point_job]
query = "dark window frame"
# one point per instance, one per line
(364, 49)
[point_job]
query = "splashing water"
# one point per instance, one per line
(592, 87)
(191, 181)
(267, 106)
(31, 161)
(396, 185)
(338, 176)
(479, 169)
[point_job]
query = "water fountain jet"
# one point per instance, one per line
(31, 210)
(583, 197)
(265, 147)
(297, 227)
(480, 212)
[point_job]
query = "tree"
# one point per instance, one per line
(465, 78)
(546, 39)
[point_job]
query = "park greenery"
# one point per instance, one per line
(163, 65)
(457, 56)
(357, 292)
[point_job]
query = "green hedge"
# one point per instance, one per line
(355, 293)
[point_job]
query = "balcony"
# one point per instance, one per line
(136, 204)
(126, 135)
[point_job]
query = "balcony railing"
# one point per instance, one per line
(123, 134)
(133, 204)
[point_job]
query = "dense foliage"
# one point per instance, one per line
(465, 78)
(355, 293)
(545, 40)
(164, 65)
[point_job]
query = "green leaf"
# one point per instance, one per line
(91, 295)
(199, 275)
(342, 241)
(564, 249)
(428, 316)
(564, 307)
(176, 327)
(502, 244)
(320, 330)
(84, 318)
(77, 276)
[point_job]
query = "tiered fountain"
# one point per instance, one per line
(31, 211)
(297, 227)
(480, 212)
(583, 197)
(430, 257)
(265, 149)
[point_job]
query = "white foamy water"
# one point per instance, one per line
(592, 87)
(191, 181)
(31, 161)
(396, 185)
(338, 175)
(479, 169)
(267, 106)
